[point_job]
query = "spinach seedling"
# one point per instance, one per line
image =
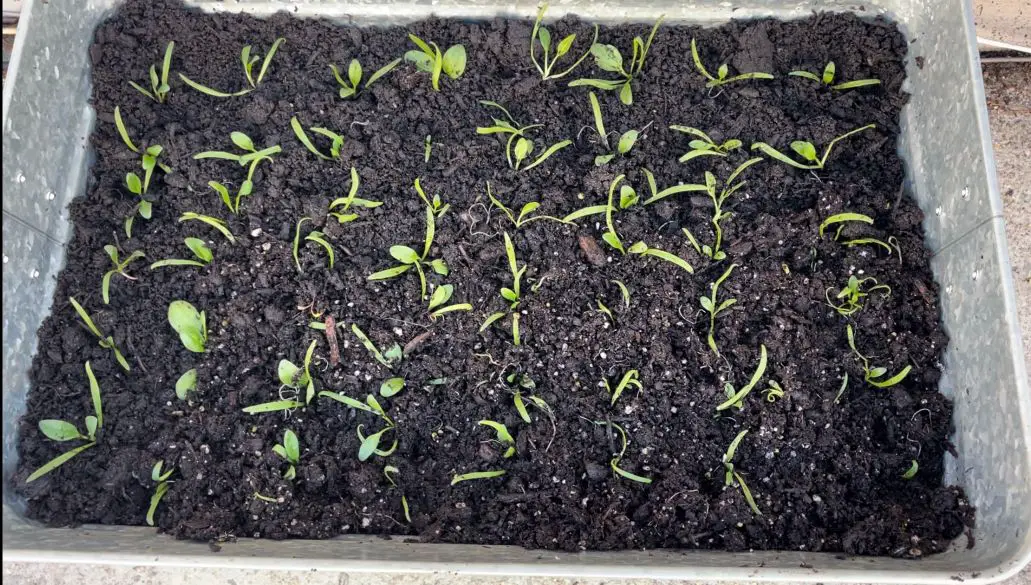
(388, 358)
(660, 194)
(630, 378)
(827, 78)
(409, 258)
(159, 490)
(731, 475)
(736, 398)
(843, 219)
(430, 60)
(774, 391)
(617, 457)
(369, 444)
(248, 61)
(139, 187)
(250, 158)
(289, 449)
(721, 73)
(313, 236)
(624, 291)
(806, 150)
(512, 295)
(524, 213)
(626, 139)
(61, 431)
(644, 250)
(715, 252)
(710, 305)
(389, 471)
(702, 145)
(608, 58)
(337, 141)
(200, 250)
(349, 86)
(850, 297)
(190, 324)
(910, 473)
(159, 87)
(294, 377)
(106, 341)
(273, 406)
(118, 268)
(436, 203)
(518, 147)
(186, 384)
(542, 36)
(438, 302)
(340, 208)
(873, 375)
(459, 478)
(504, 437)
(214, 222)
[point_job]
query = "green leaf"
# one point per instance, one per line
(211, 221)
(612, 239)
(120, 125)
(57, 462)
(626, 94)
(890, 381)
(292, 446)
(404, 254)
(290, 375)
(603, 159)
(92, 424)
(910, 473)
(544, 36)
(828, 73)
(59, 430)
(381, 72)
(721, 73)
(199, 249)
(627, 196)
(585, 212)
(354, 72)
(189, 324)
(627, 140)
(454, 61)
(756, 376)
(94, 390)
(440, 267)
(303, 137)
(274, 406)
(209, 91)
(607, 57)
(844, 217)
(706, 303)
(391, 386)
(132, 181)
(521, 408)
(624, 473)
(805, 149)
(421, 60)
(268, 59)
(185, 384)
(441, 296)
(547, 153)
(490, 320)
(243, 141)
(806, 75)
(476, 475)
(855, 84)
(347, 400)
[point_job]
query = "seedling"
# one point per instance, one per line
(388, 358)
(289, 449)
(850, 297)
(624, 291)
(627, 198)
(806, 150)
(608, 58)
(293, 377)
(732, 476)
(337, 141)
(841, 390)
(658, 195)
(313, 236)
(248, 61)
(512, 295)
(216, 223)
(430, 60)
(630, 378)
(504, 437)
(135, 185)
(349, 86)
(159, 490)
(617, 457)
(702, 145)
(605, 311)
(390, 471)
(391, 387)
(774, 391)
(542, 36)
(710, 305)
(200, 251)
(841, 220)
(626, 139)
(438, 302)
(525, 213)
(185, 384)
(715, 252)
(409, 258)
(736, 398)
(828, 79)
(436, 203)
(369, 444)
(910, 473)
(873, 375)
(274, 406)
(191, 325)
(339, 208)
(61, 431)
(251, 156)
(721, 74)
(106, 341)
(119, 268)
(644, 250)
(518, 147)
(159, 87)
(458, 478)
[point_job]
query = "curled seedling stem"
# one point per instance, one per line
(874, 376)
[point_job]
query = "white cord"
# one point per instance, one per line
(1002, 45)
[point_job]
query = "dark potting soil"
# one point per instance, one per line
(826, 473)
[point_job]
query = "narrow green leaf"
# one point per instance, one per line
(57, 462)
(273, 406)
(476, 475)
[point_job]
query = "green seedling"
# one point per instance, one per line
(518, 147)
(289, 449)
(436, 203)
(910, 473)
(430, 60)
(827, 78)
(617, 457)
(191, 325)
(608, 58)
(313, 236)
(736, 398)
(409, 258)
(61, 431)
(626, 139)
(624, 291)
(340, 208)
(427, 149)
(873, 375)
(250, 158)
(248, 61)
(458, 478)
(644, 250)
(186, 384)
(200, 250)
(504, 437)
(438, 302)
(369, 444)
(216, 223)
(525, 213)
(159, 490)
(806, 150)
(388, 358)
(391, 387)
(521, 380)
(732, 476)
(294, 377)
(274, 406)
(850, 297)
(628, 197)
(660, 194)
(159, 87)
(841, 220)
(512, 295)
(774, 391)
(542, 36)
(714, 307)
(390, 471)
(106, 341)
(349, 86)
(135, 185)
(119, 268)
(630, 378)
(841, 390)
(721, 74)
(702, 145)
(719, 199)
(336, 140)
(605, 311)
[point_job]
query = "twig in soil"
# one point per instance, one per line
(417, 341)
(331, 339)
(356, 122)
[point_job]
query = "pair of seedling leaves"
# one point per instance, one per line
(608, 58)
(248, 60)
(135, 185)
(626, 140)
(432, 60)
(410, 259)
(251, 156)
(62, 431)
(518, 147)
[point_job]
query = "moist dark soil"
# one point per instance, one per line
(826, 472)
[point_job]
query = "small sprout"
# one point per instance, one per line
(525, 212)
(608, 58)
(710, 305)
(339, 208)
(828, 79)
(512, 295)
(430, 60)
(841, 391)
(642, 249)
(119, 268)
(521, 380)
(61, 431)
(715, 252)
(349, 86)
(911, 472)
(185, 384)
(106, 341)
(216, 223)
(159, 490)
(892, 245)
(806, 150)
(458, 478)
(623, 291)
(721, 73)
(337, 141)
(518, 147)
(617, 457)
(630, 378)
(504, 437)
(251, 156)
(264, 498)
(436, 203)
(732, 477)
(200, 251)
(626, 140)
(248, 61)
(293, 377)
(736, 398)
(873, 375)
(369, 444)
(289, 449)
(387, 358)
(136, 186)
(442, 295)
(542, 36)
(627, 198)
(390, 471)
(774, 392)
(841, 220)
(851, 296)
(427, 148)
(409, 258)
(605, 311)
(313, 236)
(702, 145)
(190, 324)
(159, 87)
(391, 386)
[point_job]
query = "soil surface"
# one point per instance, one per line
(826, 472)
